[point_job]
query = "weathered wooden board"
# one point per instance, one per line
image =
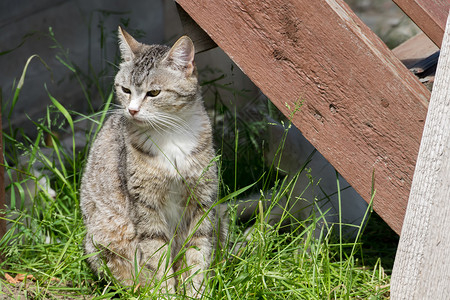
(362, 109)
(415, 49)
(419, 54)
(421, 269)
(429, 15)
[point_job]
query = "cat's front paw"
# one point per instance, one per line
(167, 287)
(162, 287)
(195, 288)
(195, 291)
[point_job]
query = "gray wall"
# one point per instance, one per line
(77, 27)
(87, 30)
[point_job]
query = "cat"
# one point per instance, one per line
(150, 182)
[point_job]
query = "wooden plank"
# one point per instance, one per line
(429, 15)
(362, 109)
(421, 269)
(420, 55)
(415, 49)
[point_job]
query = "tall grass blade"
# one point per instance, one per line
(19, 85)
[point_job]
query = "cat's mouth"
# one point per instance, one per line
(139, 122)
(136, 120)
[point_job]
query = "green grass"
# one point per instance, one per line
(45, 239)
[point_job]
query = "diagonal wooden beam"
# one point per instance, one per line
(429, 15)
(361, 108)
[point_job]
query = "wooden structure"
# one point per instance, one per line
(429, 15)
(362, 108)
(421, 269)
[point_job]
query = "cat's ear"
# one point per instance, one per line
(182, 55)
(128, 45)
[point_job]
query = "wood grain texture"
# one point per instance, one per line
(415, 49)
(429, 15)
(362, 109)
(421, 269)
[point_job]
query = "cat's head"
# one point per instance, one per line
(155, 79)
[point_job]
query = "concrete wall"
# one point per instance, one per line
(87, 30)
(77, 27)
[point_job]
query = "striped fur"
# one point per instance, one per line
(150, 180)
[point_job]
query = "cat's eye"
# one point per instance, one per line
(153, 93)
(125, 90)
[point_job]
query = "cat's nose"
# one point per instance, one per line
(133, 111)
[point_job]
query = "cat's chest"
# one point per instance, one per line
(170, 153)
(174, 153)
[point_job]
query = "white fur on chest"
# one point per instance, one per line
(170, 149)
(173, 150)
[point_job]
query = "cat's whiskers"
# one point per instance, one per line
(178, 124)
(157, 118)
(117, 106)
(173, 117)
(154, 126)
(179, 120)
(114, 109)
(172, 125)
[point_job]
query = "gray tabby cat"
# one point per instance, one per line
(150, 178)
